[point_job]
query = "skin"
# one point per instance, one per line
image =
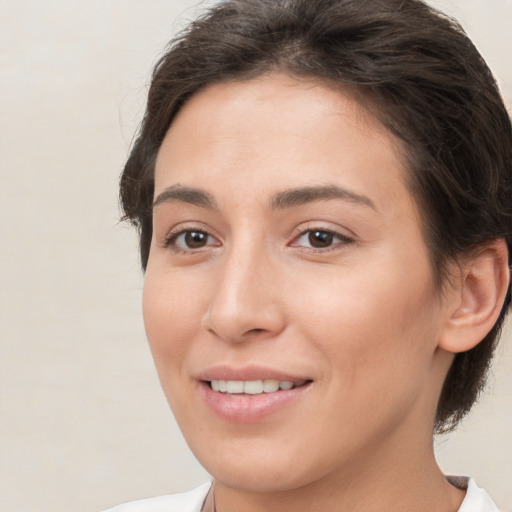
(360, 317)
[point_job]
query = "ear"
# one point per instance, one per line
(475, 300)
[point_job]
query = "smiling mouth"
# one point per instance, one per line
(254, 387)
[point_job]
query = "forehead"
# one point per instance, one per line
(293, 103)
(275, 131)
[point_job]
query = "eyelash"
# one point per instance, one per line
(343, 240)
(170, 241)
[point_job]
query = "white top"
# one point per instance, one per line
(476, 500)
(190, 501)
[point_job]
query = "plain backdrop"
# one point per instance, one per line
(83, 422)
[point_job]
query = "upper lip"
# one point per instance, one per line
(246, 373)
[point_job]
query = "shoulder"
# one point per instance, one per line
(476, 500)
(190, 501)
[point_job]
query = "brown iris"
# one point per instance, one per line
(319, 239)
(196, 239)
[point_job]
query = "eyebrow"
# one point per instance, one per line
(189, 195)
(303, 195)
(282, 200)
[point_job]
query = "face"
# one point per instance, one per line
(288, 300)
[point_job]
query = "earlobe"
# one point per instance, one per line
(476, 300)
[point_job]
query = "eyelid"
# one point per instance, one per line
(181, 229)
(303, 230)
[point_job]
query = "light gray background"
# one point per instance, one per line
(84, 424)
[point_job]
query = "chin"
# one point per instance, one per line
(258, 469)
(259, 479)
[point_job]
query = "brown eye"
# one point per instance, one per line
(191, 239)
(320, 239)
(195, 239)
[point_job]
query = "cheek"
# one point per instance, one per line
(372, 323)
(171, 317)
(377, 338)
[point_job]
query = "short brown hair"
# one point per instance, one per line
(414, 69)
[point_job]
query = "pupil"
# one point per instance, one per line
(196, 239)
(320, 238)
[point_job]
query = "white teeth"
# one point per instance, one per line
(270, 386)
(253, 387)
(235, 386)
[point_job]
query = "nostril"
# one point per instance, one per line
(254, 332)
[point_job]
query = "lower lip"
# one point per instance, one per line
(249, 408)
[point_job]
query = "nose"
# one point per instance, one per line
(245, 302)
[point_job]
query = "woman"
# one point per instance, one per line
(322, 189)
